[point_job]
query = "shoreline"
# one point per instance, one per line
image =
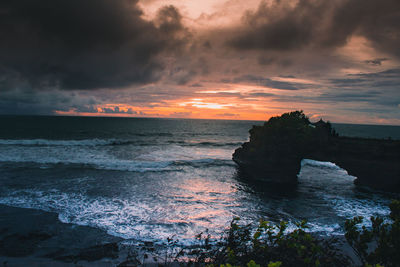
(30, 237)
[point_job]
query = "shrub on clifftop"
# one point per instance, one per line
(292, 132)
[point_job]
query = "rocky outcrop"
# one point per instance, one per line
(276, 149)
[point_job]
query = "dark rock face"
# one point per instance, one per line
(38, 238)
(276, 149)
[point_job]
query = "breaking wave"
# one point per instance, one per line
(108, 142)
(47, 142)
(124, 165)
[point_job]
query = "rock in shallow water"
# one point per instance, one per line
(276, 149)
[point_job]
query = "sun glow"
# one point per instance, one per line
(195, 108)
(199, 103)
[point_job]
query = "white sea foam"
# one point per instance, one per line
(335, 189)
(174, 152)
(129, 219)
(121, 165)
(321, 164)
(152, 158)
(80, 156)
(349, 208)
(327, 229)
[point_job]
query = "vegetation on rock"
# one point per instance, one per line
(276, 149)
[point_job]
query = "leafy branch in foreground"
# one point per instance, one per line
(267, 245)
(379, 245)
(271, 245)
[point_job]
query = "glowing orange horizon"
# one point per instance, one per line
(193, 108)
(221, 108)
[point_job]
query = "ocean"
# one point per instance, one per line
(150, 179)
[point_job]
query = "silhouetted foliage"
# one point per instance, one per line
(379, 245)
(243, 245)
(273, 245)
(293, 132)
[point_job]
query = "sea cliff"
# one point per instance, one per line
(276, 149)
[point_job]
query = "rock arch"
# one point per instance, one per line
(275, 151)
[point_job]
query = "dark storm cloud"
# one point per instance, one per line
(83, 44)
(181, 75)
(237, 95)
(365, 96)
(373, 97)
(196, 85)
(263, 60)
(357, 96)
(387, 78)
(378, 21)
(377, 88)
(267, 82)
(261, 94)
(390, 73)
(280, 25)
(376, 61)
(34, 102)
(347, 81)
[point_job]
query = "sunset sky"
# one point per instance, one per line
(218, 59)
